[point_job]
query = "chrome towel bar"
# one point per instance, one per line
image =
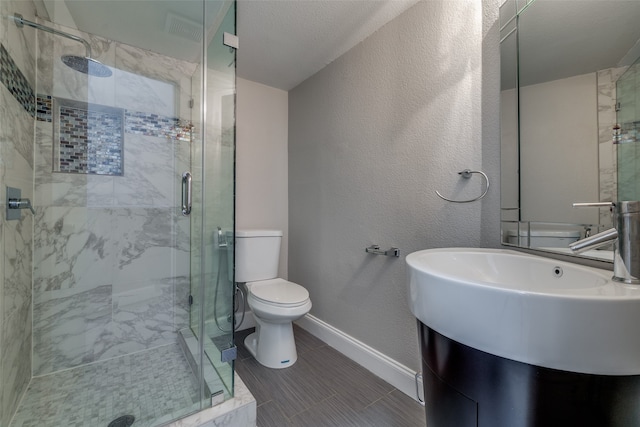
(466, 174)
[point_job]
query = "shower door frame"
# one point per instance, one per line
(209, 271)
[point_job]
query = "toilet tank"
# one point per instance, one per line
(544, 238)
(257, 254)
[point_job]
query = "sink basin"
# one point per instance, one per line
(527, 308)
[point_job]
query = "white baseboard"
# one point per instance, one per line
(383, 366)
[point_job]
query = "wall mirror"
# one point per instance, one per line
(570, 118)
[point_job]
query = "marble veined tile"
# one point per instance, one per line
(145, 250)
(96, 394)
(65, 189)
(149, 179)
(71, 328)
(17, 264)
(150, 66)
(16, 136)
(15, 357)
(240, 410)
(140, 93)
(74, 247)
(143, 317)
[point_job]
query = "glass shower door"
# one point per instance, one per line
(97, 280)
(212, 218)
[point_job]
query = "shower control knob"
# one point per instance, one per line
(21, 204)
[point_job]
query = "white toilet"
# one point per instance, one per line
(275, 302)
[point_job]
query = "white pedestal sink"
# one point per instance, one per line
(527, 308)
(510, 339)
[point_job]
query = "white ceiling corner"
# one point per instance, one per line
(282, 42)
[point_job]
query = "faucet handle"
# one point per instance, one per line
(595, 241)
(20, 204)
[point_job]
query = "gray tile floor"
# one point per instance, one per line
(155, 386)
(323, 388)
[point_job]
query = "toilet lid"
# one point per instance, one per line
(279, 291)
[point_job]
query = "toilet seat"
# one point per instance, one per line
(278, 292)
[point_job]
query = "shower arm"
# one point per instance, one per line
(21, 22)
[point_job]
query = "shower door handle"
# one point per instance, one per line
(186, 193)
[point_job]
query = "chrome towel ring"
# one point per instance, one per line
(466, 174)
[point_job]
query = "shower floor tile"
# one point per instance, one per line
(155, 386)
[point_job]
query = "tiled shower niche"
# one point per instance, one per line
(87, 138)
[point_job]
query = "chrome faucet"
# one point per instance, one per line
(625, 237)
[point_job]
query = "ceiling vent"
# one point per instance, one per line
(183, 27)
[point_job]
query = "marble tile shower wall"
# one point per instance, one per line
(111, 253)
(16, 170)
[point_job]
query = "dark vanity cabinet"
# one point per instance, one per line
(465, 387)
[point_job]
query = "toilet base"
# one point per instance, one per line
(272, 345)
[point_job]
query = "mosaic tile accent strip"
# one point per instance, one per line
(155, 386)
(90, 141)
(147, 124)
(17, 84)
(43, 108)
(136, 122)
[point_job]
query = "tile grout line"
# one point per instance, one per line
(380, 398)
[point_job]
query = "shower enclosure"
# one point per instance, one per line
(117, 125)
(627, 147)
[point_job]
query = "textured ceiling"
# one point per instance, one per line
(281, 42)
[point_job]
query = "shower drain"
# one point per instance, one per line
(123, 421)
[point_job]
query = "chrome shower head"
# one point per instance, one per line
(86, 65)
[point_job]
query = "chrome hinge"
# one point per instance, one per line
(217, 398)
(229, 354)
(230, 40)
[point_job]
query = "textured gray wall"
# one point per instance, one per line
(371, 137)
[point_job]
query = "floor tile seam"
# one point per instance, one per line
(312, 348)
(265, 402)
(375, 401)
(311, 406)
(330, 378)
(279, 408)
(317, 368)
